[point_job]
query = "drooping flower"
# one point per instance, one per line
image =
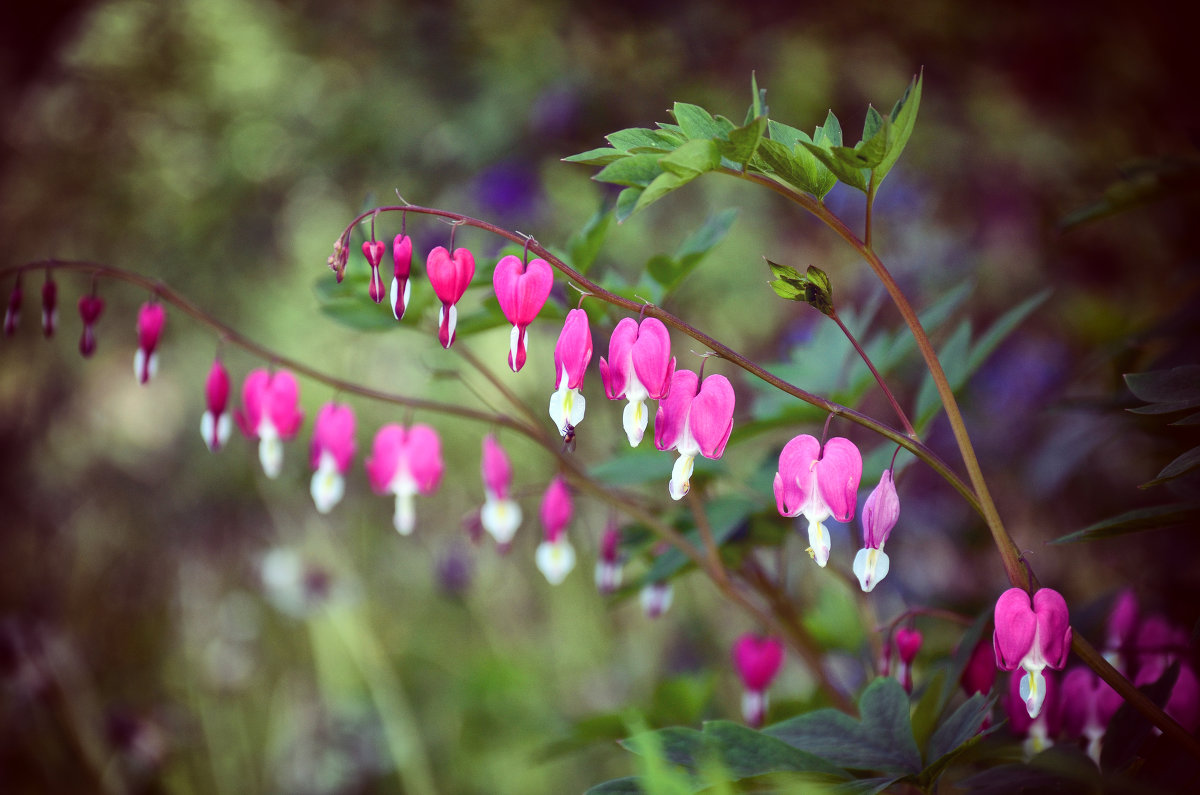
(879, 515)
(555, 556)
(151, 318)
(405, 463)
(757, 660)
(694, 419)
(501, 515)
(818, 483)
(373, 251)
(980, 672)
(1158, 645)
(449, 276)
(270, 413)
(608, 565)
(639, 367)
(401, 269)
(656, 598)
(908, 644)
(215, 425)
(572, 354)
(12, 315)
(522, 290)
(332, 452)
(1032, 635)
(1088, 704)
(90, 308)
(49, 306)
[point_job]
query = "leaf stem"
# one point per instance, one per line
(878, 378)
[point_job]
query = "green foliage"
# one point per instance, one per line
(813, 288)
(1135, 521)
(1140, 183)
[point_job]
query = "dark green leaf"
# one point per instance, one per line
(1062, 769)
(873, 123)
(618, 786)
(904, 119)
(696, 122)
(882, 740)
(818, 292)
(866, 786)
(1152, 518)
(585, 244)
(1177, 468)
(596, 157)
(944, 682)
(1167, 408)
(692, 159)
(1177, 385)
(627, 201)
(1004, 325)
(635, 171)
(961, 727)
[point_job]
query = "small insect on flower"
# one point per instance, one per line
(568, 434)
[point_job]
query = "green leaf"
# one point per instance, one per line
(584, 245)
(349, 304)
(758, 100)
(1004, 325)
(596, 157)
(743, 142)
(635, 171)
(661, 186)
(845, 172)
(725, 517)
(627, 201)
(1177, 468)
(800, 169)
(830, 133)
(1177, 385)
(954, 358)
(866, 786)
(882, 740)
(789, 283)
(944, 681)
(696, 122)
(872, 124)
(618, 786)
(641, 138)
(692, 159)
(1180, 513)
(961, 728)
(818, 291)
(904, 119)
(706, 238)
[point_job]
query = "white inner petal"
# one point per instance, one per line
(635, 418)
(818, 543)
(500, 518)
(328, 486)
(681, 476)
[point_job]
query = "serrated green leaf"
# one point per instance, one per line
(882, 740)
(635, 171)
(844, 172)
(1180, 513)
(799, 169)
(903, 118)
(692, 159)
(584, 245)
(743, 142)
(596, 157)
(1176, 385)
(696, 122)
(627, 201)
(643, 138)
(1177, 468)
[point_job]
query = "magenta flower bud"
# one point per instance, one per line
(608, 566)
(405, 463)
(555, 555)
(908, 643)
(572, 354)
(270, 413)
(1033, 636)
(501, 515)
(331, 453)
(879, 516)
(639, 367)
(49, 306)
(215, 425)
(522, 290)
(151, 318)
(12, 315)
(694, 419)
(90, 308)
(819, 483)
(449, 277)
(1088, 704)
(401, 268)
(757, 661)
(980, 673)
(373, 251)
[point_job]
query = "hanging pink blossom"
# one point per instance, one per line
(819, 483)
(757, 660)
(608, 565)
(151, 318)
(572, 354)
(215, 425)
(332, 451)
(555, 556)
(270, 413)
(501, 515)
(449, 276)
(373, 251)
(90, 309)
(401, 269)
(522, 290)
(879, 516)
(1033, 635)
(12, 315)
(908, 644)
(49, 306)
(405, 463)
(694, 420)
(639, 368)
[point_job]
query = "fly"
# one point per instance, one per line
(568, 432)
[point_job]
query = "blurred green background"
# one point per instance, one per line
(221, 146)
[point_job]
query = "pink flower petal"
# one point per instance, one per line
(838, 474)
(711, 418)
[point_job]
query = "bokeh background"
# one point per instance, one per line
(172, 621)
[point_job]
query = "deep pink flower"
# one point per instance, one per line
(270, 413)
(879, 515)
(401, 269)
(572, 354)
(608, 564)
(405, 463)
(1158, 645)
(819, 483)
(90, 309)
(49, 306)
(12, 315)
(449, 276)
(501, 515)
(151, 318)
(1122, 631)
(908, 644)
(215, 425)
(522, 290)
(332, 451)
(757, 661)
(694, 419)
(373, 251)
(980, 673)
(555, 555)
(1088, 704)
(639, 367)
(1032, 635)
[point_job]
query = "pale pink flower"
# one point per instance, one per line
(693, 420)
(405, 463)
(270, 413)
(879, 515)
(332, 452)
(818, 483)
(639, 368)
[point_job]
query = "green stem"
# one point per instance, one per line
(878, 378)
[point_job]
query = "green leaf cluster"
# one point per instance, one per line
(812, 288)
(650, 163)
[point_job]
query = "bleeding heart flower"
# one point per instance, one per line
(405, 463)
(694, 420)
(332, 452)
(373, 251)
(215, 425)
(90, 308)
(639, 367)
(572, 354)
(1032, 635)
(151, 318)
(49, 306)
(501, 515)
(555, 555)
(819, 483)
(270, 413)
(522, 290)
(1088, 704)
(449, 277)
(908, 644)
(757, 661)
(608, 565)
(401, 269)
(879, 516)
